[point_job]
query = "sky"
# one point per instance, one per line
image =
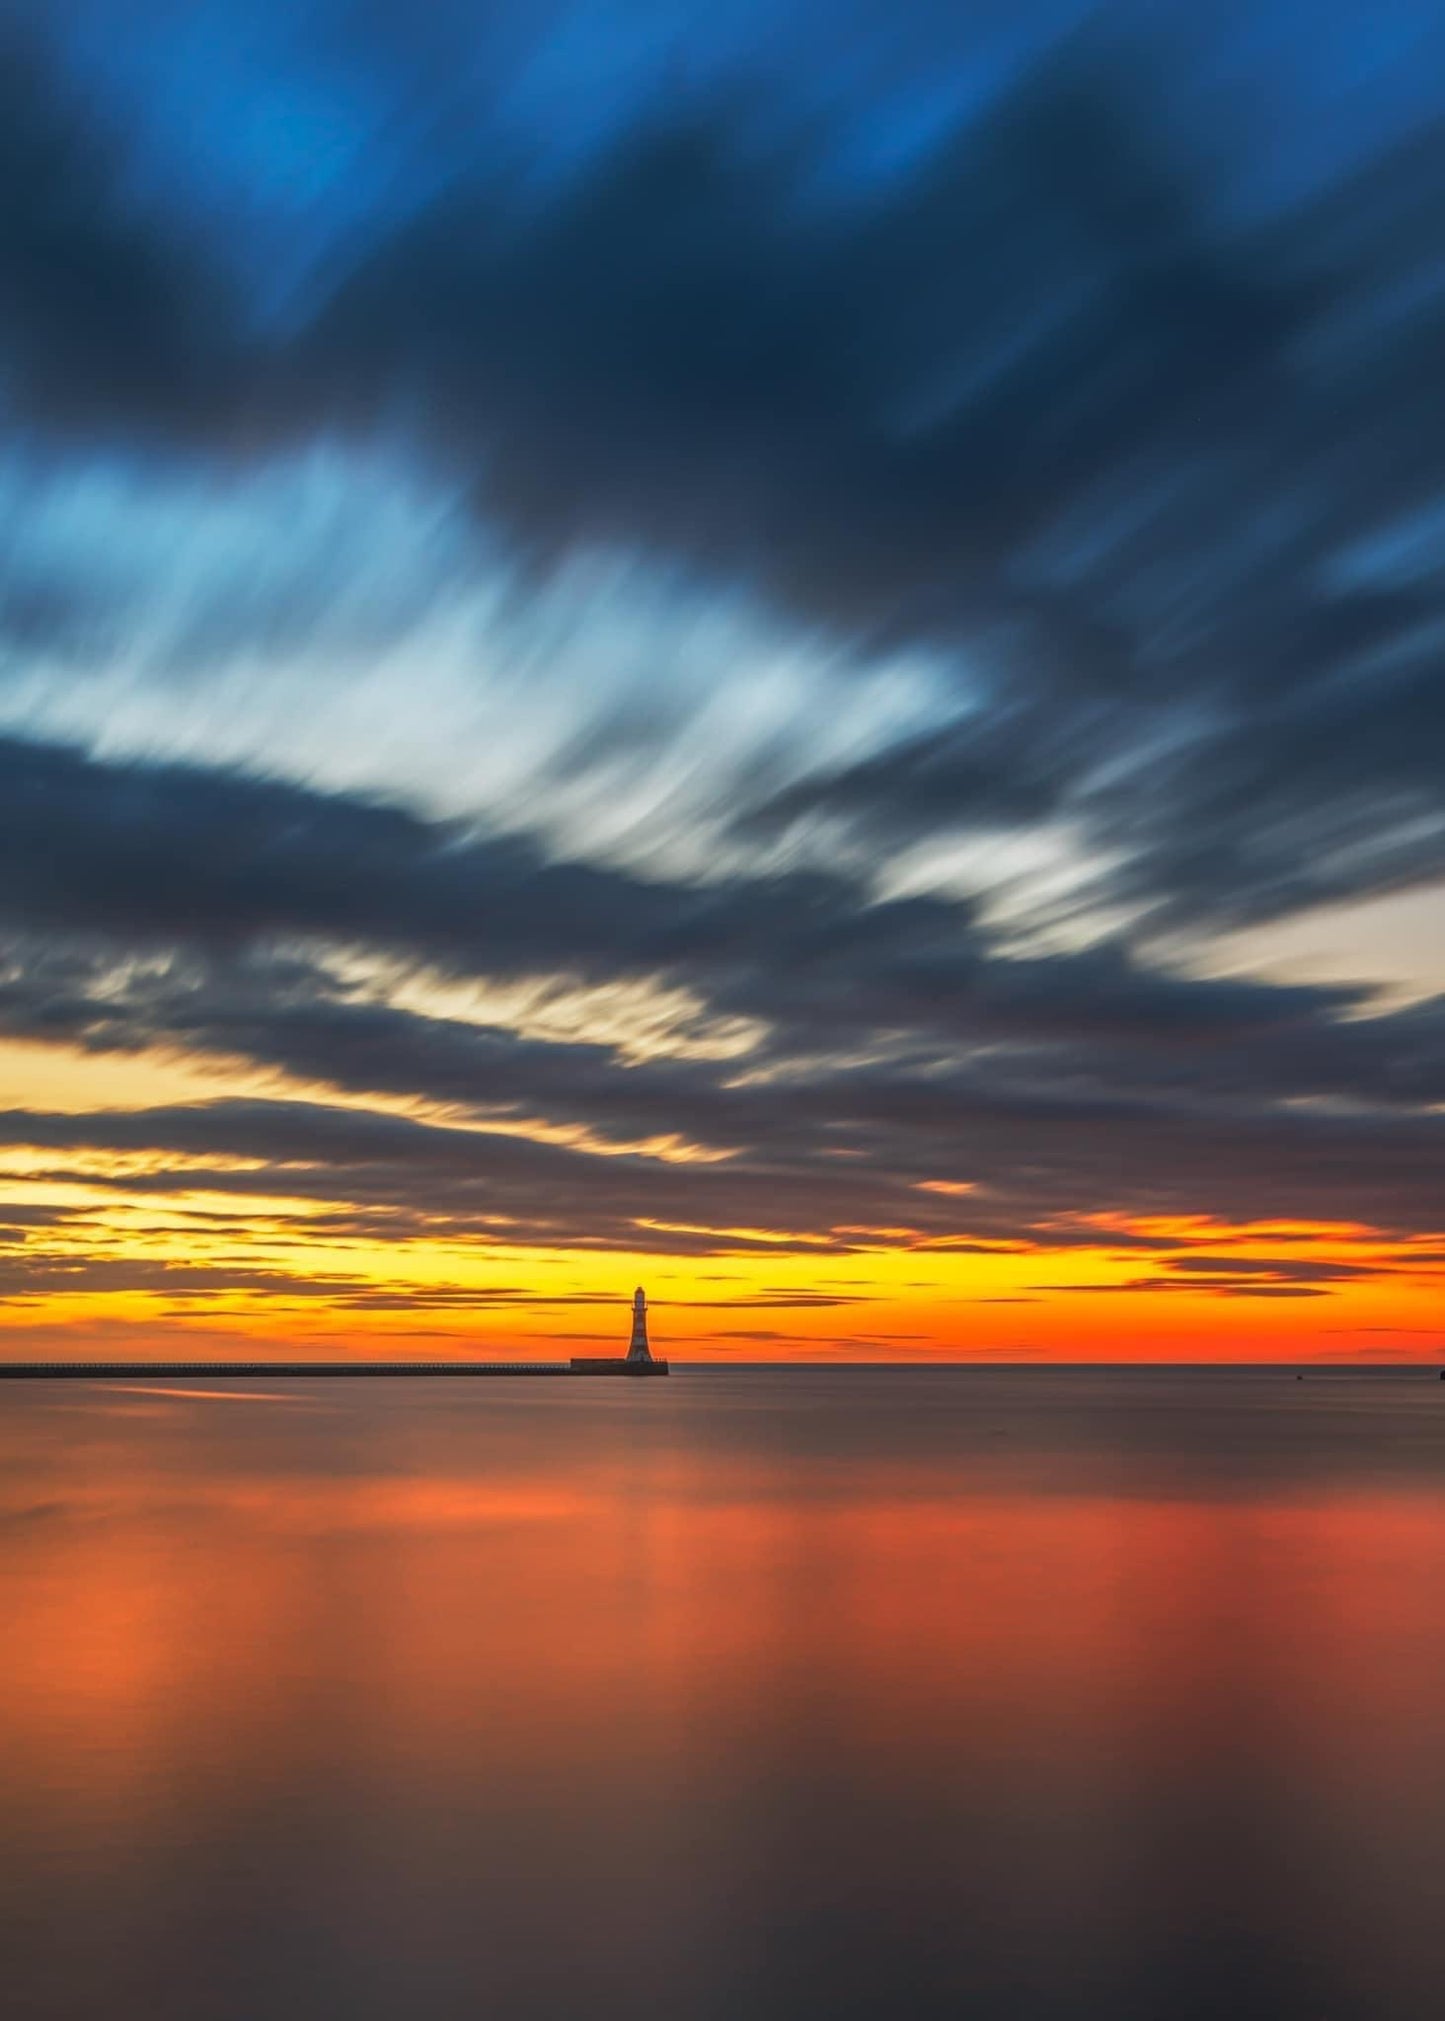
(789, 652)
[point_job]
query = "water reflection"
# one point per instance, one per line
(760, 1694)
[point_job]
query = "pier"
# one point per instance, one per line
(130, 1369)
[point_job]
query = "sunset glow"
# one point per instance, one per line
(153, 1252)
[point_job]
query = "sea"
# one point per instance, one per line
(829, 1692)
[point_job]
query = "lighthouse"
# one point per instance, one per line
(638, 1360)
(637, 1348)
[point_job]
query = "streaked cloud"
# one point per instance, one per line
(725, 640)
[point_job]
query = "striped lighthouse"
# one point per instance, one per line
(638, 1349)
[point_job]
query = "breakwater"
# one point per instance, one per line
(132, 1370)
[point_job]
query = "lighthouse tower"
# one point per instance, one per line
(638, 1349)
(638, 1360)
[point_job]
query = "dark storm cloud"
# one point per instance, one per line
(874, 408)
(1039, 403)
(231, 880)
(1152, 485)
(173, 855)
(1041, 1084)
(107, 320)
(1030, 1155)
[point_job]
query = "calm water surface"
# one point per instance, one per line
(751, 1694)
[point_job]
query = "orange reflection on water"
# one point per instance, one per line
(875, 1603)
(739, 1658)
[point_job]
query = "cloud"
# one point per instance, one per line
(1159, 487)
(1080, 498)
(109, 322)
(177, 908)
(1154, 487)
(1223, 1276)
